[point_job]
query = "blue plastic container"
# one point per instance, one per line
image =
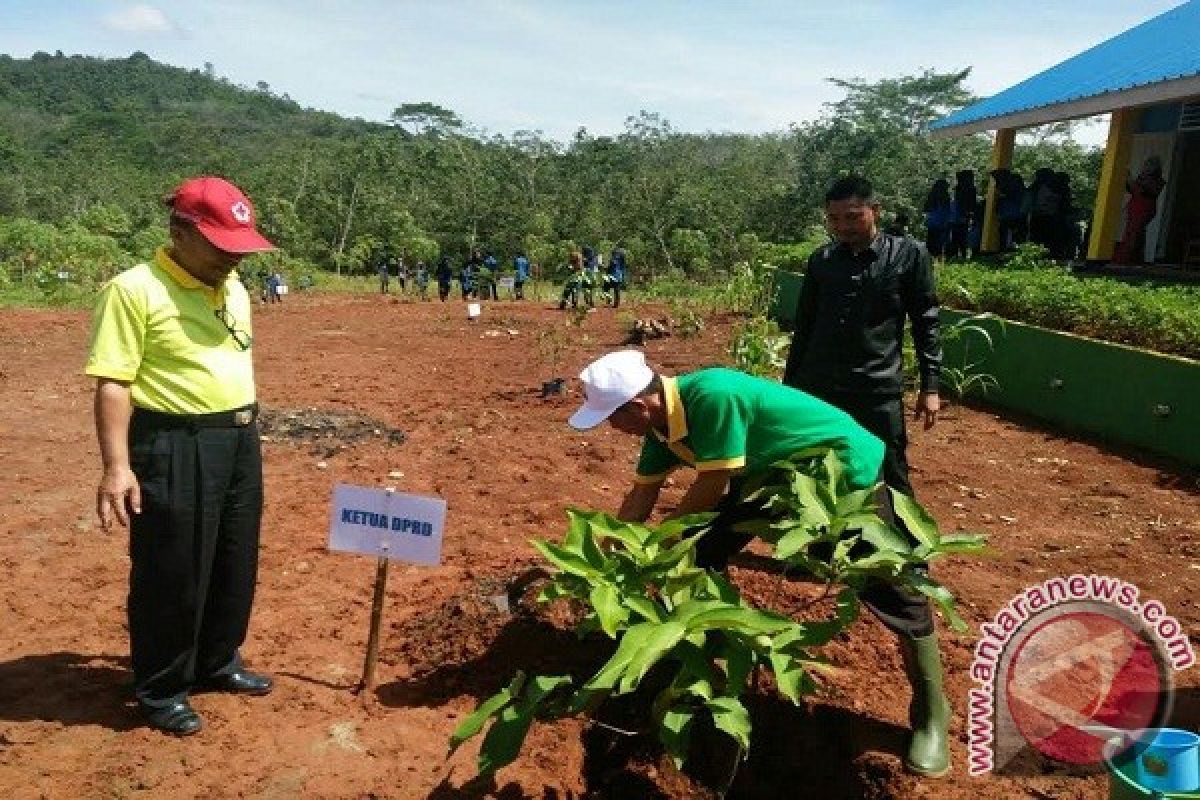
(1168, 760)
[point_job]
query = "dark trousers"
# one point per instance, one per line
(959, 240)
(443, 291)
(902, 612)
(883, 416)
(193, 552)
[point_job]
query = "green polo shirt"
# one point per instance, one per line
(155, 327)
(724, 419)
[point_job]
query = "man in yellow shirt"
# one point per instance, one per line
(175, 417)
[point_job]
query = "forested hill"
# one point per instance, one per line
(89, 146)
(79, 130)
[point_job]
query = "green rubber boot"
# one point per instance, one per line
(929, 713)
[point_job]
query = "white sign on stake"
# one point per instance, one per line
(378, 522)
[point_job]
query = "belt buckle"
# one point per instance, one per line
(243, 417)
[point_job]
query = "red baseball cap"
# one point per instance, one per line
(221, 212)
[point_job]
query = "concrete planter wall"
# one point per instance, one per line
(1121, 394)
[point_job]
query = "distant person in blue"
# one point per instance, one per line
(382, 269)
(575, 281)
(1045, 208)
(939, 217)
(521, 267)
(591, 275)
(1010, 207)
(614, 278)
(422, 279)
(466, 280)
(490, 264)
(445, 275)
(966, 197)
(274, 286)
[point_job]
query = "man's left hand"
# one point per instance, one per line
(928, 405)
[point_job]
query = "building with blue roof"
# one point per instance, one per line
(1148, 79)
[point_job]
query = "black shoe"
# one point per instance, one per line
(238, 683)
(177, 719)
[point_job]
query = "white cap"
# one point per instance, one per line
(610, 382)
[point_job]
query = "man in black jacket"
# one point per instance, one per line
(848, 345)
(848, 351)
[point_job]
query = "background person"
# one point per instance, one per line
(939, 218)
(521, 270)
(175, 418)
(383, 270)
(966, 198)
(614, 278)
(422, 280)
(848, 345)
(1140, 211)
(445, 277)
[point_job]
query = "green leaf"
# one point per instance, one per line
(675, 732)
(719, 587)
(739, 662)
(643, 605)
(744, 619)
(657, 643)
(917, 520)
(606, 600)
(698, 675)
(473, 724)
(631, 642)
(962, 543)
(941, 596)
(804, 487)
(678, 526)
(794, 541)
(730, 716)
(674, 553)
(606, 526)
(861, 500)
(504, 739)
(884, 536)
(564, 559)
(792, 678)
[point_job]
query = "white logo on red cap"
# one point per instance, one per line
(240, 211)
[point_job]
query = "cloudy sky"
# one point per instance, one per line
(556, 65)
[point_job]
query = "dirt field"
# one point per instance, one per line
(459, 414)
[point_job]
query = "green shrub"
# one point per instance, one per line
(640, 586)
(1155, 317)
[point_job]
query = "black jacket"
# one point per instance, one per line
(850, 319)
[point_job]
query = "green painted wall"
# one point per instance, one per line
(1119, 393)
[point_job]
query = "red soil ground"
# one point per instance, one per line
(479, 435)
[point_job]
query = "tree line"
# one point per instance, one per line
(89, 146)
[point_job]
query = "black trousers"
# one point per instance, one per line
(902, 612)
(193, 552)
(882, 415)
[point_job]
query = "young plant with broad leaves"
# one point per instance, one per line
(804, 507)
(641, 586)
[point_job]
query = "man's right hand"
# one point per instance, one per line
(118, 496)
